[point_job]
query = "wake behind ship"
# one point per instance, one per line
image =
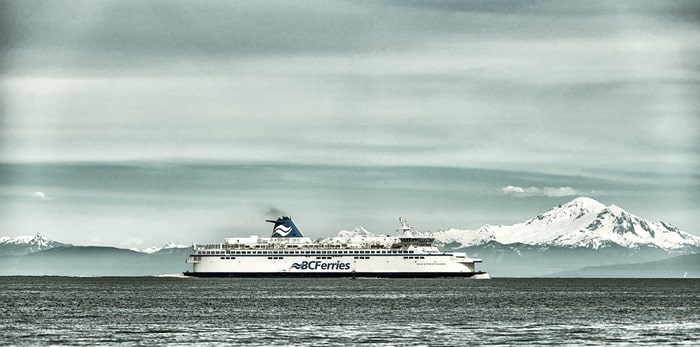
(287, 253)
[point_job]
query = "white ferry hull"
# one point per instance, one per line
(368, 265)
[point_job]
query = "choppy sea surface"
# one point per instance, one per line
(334, 312)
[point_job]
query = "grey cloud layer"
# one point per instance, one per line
(181, 29)
(536, 84)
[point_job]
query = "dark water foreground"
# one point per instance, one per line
(323, 312)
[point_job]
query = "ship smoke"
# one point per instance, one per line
(274, 212)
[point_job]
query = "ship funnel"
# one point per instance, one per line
(284, 227)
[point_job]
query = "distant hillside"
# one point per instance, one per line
(95, 261)
(521, 260)
(680, 266)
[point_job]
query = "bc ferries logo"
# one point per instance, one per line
(282, 230)
(318, 265)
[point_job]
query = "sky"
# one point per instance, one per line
(595, 98)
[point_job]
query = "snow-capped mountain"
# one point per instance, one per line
(358, 235)
(20, 245)
(169, 245)
(582, 222)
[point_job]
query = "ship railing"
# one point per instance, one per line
(276, 246)
(207, 246)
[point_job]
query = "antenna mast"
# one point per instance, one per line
(404, 225)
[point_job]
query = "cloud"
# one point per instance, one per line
(561, 191)
(552, 192)
(41, 196)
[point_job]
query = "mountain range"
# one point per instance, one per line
(22, 245)
(569, 239)
(580, 223)
(581, 233)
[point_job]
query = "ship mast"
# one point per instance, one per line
(405, 228)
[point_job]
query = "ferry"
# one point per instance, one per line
(287, 253)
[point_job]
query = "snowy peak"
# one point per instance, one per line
(570, 211)
(168, 246)
(582, 222)
(357, 232)
(359, 236)
(633, 229)
(20, 245)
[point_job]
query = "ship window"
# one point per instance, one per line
(223, 258)
(422, 257)
(410, 251)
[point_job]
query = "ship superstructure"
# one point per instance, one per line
(287, 253)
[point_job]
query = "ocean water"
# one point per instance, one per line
(334, 312)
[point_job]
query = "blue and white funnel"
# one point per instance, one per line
(284, 227)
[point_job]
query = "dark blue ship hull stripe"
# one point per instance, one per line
(331, 274)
